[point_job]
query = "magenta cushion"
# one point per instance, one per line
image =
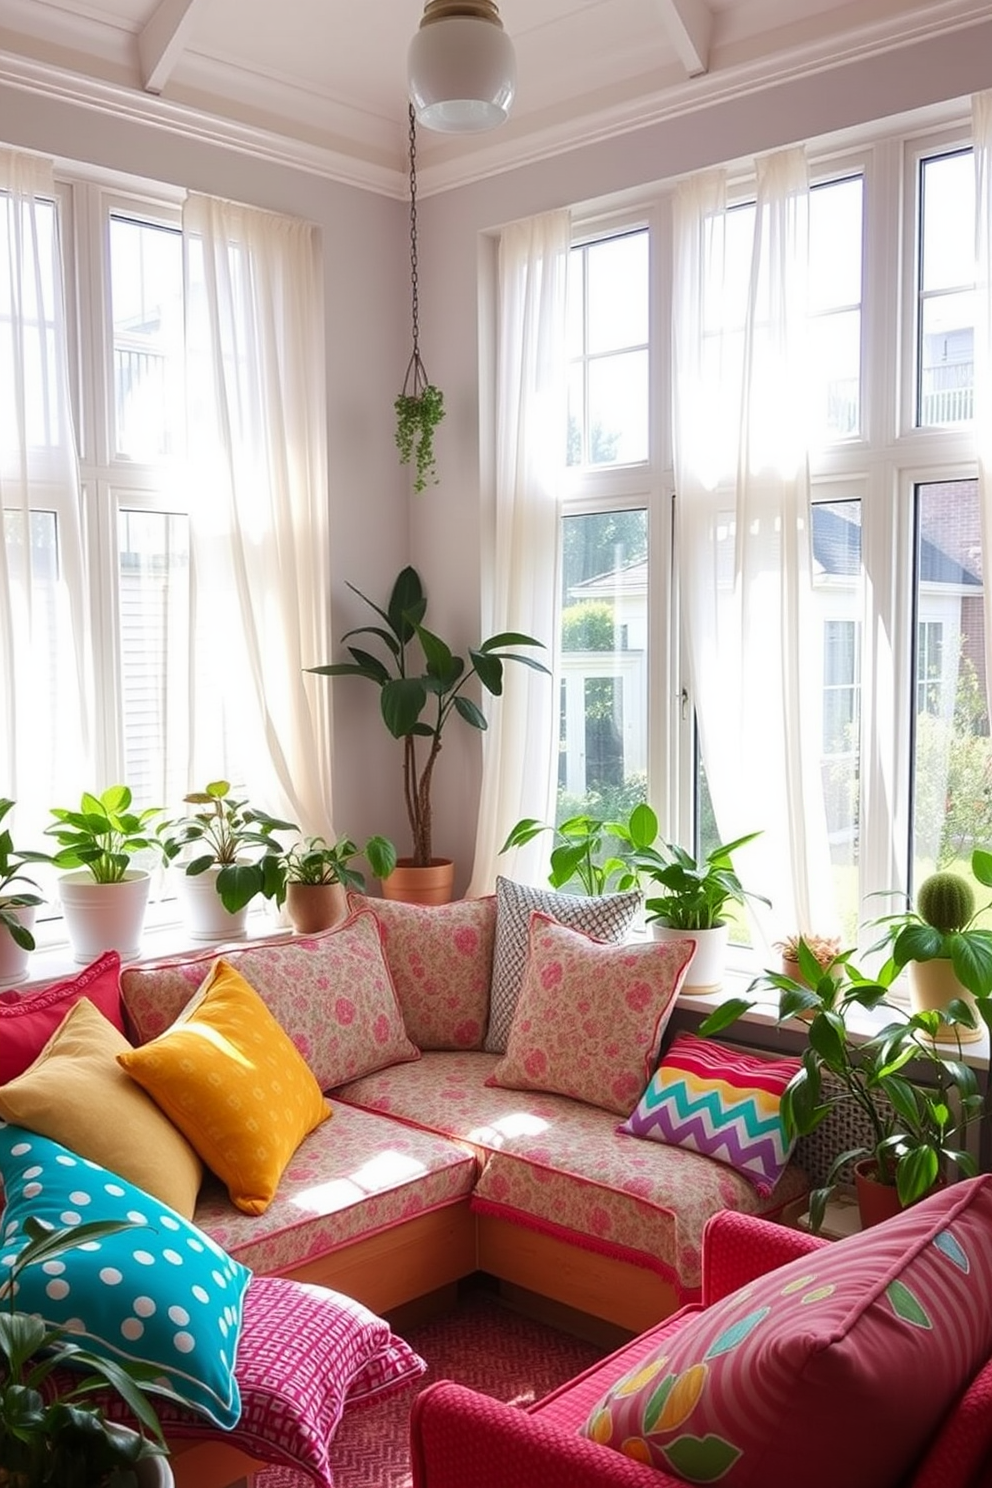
(836, 1368)
(722, 1102)
(305, 1355)
(28, 1020)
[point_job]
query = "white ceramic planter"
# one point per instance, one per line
(203, 911)
(14, 960)
(705, 970)
(104, 917)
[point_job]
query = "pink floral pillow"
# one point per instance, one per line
(590, 1015)
(885, 1328)
(441, 960)
(331, 993)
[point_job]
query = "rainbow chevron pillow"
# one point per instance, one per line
(720, 1102)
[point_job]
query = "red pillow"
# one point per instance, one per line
(28, 1020)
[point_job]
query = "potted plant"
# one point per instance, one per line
(947, 955)
(103, 896)
(50, 1437)
(824, 948)
(422, 684)
(858, 1055)
(17, 905)
(418, 413)
(596, 854)
(232, 855)
(314, 877)
(693, 898)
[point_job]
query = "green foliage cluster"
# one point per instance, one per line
(315, 861)
(588, 626)
(968, 947)
(235, 837)
(103, 834)
(417, 416)
(599, 854)
(12, 898)
(695, 892)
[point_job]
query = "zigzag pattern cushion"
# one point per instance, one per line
(721, 1102)
(607, 917)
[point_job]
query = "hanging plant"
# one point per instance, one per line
(420, 405)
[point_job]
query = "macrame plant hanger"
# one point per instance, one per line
(420, 405)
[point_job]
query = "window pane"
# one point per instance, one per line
(603, 742)
(153, 566)
(946, 327)
(29, 301)
(835, 259)
(618, 409)
(618, 293)
(607, 344)
(147, 294)
(952, 767)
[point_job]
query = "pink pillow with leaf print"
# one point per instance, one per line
(590, 1015)
(441, 960)
(331, 993)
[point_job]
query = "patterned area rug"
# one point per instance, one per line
(481, 1344)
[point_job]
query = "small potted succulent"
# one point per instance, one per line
(860, 1047)
(53, 1433)
(824, 949)
(229, 853)
(103, 894)
(18, 903)
(314, 877)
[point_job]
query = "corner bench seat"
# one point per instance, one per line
(559, 1167)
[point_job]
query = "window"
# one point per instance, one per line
(946, 323)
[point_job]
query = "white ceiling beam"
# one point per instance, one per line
(689, 24)
(162, 38)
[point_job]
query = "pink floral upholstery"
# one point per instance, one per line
(332, 993)
(351, 1177)
(562, 1166)
(441, 961)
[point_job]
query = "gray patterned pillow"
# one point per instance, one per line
(606, 916)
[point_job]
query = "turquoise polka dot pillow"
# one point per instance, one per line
(160, 1293)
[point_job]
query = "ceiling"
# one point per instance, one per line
(322, 83)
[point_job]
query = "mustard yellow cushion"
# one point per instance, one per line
(229, 1077)
(76, 1093)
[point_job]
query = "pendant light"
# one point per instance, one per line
(461, 67)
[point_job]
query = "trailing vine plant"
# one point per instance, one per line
(420, 405)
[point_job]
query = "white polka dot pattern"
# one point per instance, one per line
(161, 1294)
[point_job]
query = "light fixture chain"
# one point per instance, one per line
(414, 296)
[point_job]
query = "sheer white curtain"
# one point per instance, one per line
(259, 517)
(744, 526)
(520, 745)
(981, 117)
(45, 678)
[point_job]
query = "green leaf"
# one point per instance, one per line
(465, 708)
(701, 1459)
(721, 1017)
(402, 702)
(489, 670)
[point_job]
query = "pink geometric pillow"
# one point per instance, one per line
(331, 993)
(835, 1368)
(306, 1354)
(590, 1015)
(28, 1021)
(441, 960)
(724, 1103)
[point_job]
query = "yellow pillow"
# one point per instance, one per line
(231, 1079)
(76, 1093)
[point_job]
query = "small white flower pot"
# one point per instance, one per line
(705, 970)
(104, 916)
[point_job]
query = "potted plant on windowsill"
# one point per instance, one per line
(596, 854)
(18, 903)
(422, 684)
(103, 895)
(692, 902)
(55, 1437)
(947, 956)
(314, 877)
(232, 854)
(861, 1051)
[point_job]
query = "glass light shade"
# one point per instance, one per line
(462, 73)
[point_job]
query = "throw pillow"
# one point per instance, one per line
(724, 1103)
(606, 916)
(441, 961)
(228, 1076)
(331, 993)
(158, 1292)
(27, 1021)
(590, 1016)
(76, 1093)
(886, 1327)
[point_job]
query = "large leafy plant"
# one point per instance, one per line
(61, 1438)
(598, 854)
(104, 834)
(942, 926)
(422, 683)
(694, 893)
(12, 898)
(237, 839)
(863, 1051)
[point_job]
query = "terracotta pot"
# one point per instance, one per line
(315, 907)
(706, 966)
(433, 885)
(876, 1201)
(932, 985)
